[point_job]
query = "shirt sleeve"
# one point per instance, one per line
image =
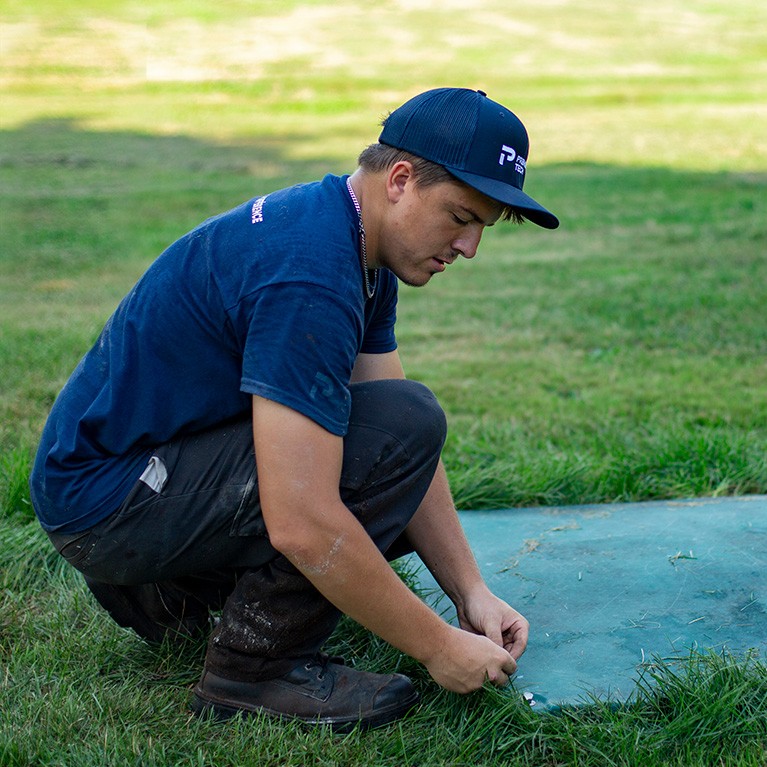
(301, 344)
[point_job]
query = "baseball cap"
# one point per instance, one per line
(477, 140)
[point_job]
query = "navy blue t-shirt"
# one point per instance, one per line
(265, 299)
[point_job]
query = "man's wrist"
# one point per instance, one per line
(471, 593)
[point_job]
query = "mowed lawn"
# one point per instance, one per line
(621, 357)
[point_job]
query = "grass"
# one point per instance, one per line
(93, 694)
(619, 358)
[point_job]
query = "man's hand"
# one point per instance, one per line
(486, 648)
(484, 613)
(464, 661)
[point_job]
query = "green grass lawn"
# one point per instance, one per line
(621, 357)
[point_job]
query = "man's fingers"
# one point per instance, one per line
(510, 667)
(517, 642)
(515, 649)
(496, 635)
(500, 677)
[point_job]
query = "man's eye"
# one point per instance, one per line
(459, 220)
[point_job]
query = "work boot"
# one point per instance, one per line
(318, 691)
(153, 610)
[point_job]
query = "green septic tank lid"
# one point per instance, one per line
(609, 589)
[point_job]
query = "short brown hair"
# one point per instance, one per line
(380, 157)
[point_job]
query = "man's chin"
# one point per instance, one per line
(414, 282)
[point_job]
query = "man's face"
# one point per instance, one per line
(429, 228)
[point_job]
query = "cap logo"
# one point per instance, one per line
(509, 154)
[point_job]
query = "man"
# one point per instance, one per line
(242, 436)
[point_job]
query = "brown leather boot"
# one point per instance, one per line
(318, 691)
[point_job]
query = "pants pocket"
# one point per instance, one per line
(248, 520)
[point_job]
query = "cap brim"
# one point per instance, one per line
(509, 195)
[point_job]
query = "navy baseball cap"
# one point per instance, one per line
(477, 140)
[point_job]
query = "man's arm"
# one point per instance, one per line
(299, 467)
(436, 534)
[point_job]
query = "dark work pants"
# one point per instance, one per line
(204, 533)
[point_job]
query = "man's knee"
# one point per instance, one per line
(406, 409)
(420, 411)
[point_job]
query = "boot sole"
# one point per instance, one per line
(222, 712)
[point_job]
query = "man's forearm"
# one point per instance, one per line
(436, 534)
(308, 523)
(335, 553)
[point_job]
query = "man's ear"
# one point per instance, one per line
(399, 176)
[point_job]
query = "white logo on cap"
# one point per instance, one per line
(508, 154)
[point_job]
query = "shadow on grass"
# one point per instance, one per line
(77, 198)
(63, 179)
(65, 144)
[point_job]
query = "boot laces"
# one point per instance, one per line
(321, 661)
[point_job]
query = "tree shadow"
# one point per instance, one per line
(57, 164)
(75, 197)
(72, 157)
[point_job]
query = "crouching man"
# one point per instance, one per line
(242, 437)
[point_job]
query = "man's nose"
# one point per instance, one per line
(468, 244)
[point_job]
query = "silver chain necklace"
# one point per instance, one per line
(369, 289)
